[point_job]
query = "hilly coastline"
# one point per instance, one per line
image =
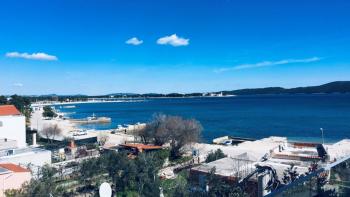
(328, 88)
(333, 87)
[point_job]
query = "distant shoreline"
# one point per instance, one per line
(143, 99)
(337, 87)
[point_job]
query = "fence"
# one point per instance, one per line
(332, 180)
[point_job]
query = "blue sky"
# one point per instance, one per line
(97, 47)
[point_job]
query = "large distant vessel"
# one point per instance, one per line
(92, 119)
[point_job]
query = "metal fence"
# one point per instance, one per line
(332, 180)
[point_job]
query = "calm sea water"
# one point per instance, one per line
(298, 117)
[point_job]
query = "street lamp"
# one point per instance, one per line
(322, 135)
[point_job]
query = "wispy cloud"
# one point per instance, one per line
(173, 40)
(268, 63)
(33, 56)
(134, 41)
(18, 84)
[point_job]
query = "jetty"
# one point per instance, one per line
(92, 120)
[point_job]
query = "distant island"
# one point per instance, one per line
(333, 87)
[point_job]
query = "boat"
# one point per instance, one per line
(79, 132)
(69, 106)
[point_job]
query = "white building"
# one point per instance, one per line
(12, 125)
(13, 147)
(25, 156)
(12, 177)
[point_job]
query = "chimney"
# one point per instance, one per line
(34, 139)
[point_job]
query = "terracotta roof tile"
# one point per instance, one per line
(8, 110)
(13, 167)
(141, 146)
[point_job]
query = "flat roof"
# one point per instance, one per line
(228, 167)
(22, 151)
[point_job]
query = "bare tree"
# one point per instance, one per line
(182, 132)
(173, 129)
(103, 138)
(154, 130)
(51, 132)
(144, 134)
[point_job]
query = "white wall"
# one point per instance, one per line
(36, 158)
(13, 127)
(13, 180)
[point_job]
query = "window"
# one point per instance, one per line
(10, 152)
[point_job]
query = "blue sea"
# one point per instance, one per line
(298, 117)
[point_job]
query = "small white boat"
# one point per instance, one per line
(69, 106)
(79, 132)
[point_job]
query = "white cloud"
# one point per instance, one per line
(134, 41)
(173, 40)
(268, 63)
(33, 56)
(18, 84)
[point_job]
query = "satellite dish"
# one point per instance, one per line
(105, 190)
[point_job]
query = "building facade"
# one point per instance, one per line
(12, 177)
(12, 125)
(13, 147)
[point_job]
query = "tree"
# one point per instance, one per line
(87, 170)
(44, 184)
(3, 100)
(180, 186)
(103, 138)
(51, 132)
(146, 134)
(137, 176)
(115, 163)
(155, 130)
(173, 129)
(290, 174)
(182, 132)
(22, 104)
(147, 179)
(48, 112)
(218, 187)
(321, 181)
(212, 156)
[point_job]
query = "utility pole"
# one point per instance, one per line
(322, 135)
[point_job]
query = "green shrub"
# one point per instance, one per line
(218, 154)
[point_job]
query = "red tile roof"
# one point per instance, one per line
(141, 147)
(13, 167)
(8, 110)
